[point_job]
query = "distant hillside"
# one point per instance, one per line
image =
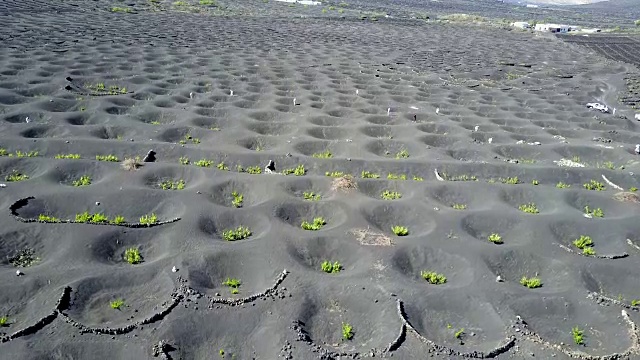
(557, 2)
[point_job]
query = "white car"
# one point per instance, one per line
(598, 106)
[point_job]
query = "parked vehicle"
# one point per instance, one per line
(598, 106)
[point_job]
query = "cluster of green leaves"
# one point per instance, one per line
(149, 219)
(390, 195)
(594, 185)
(185, 160)
(510, 180)
(117, 304)
(311, 196)
(317, 224)
(529, 208)
(4, 321)
(578, 335)
(47, 218)
(68, 156)
(238, 199)
(323, 155)
(495, 238)
(369, 175)
(459, 206)
(535, 182)
(188, 138)
(458, 334)
(16, 176)
(531, 283)
(331, 268)
(202, 163)
(585, 243)
(391, 176)
(208, 2)
(21, 154)
(400, 230)
(562, 185)
(347, 331)
(132, 256)
(222, 166)
(335, 174)
(254, 170)
(402, 154)
(297, 171)
(173, 185)
(594, 212)
(463, 177)
(111, 158)
(84, 180)
(239, 233)
(120, 9)
(433, 277)
(87, 217)
(234, 284)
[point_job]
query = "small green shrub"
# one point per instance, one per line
(588, 251)
(459, 206)
(562, 185)
(254, 170)
(323, 155)
(531, 283)
(120, 9)
(635, 302)
(529, 208)
(463, 177)
(400, 230)
(4, 321)
(347, 331)
(16, 176)
(203, 163)
(582, 242)
(535, 182)
(173, 185)
(239, 233)
(297, 171)
(234, 284)
(317, 224)
(433, 277)
(369, 175)
(132, 256)
(149, 219)
(311, 196)
(84, 180)
(111, 158)
(117, 304)
(458, 334)
(68, 156)
(578, 335)
(390, 195)
(222, 166)
(396, 176)
(633, 189)
(495, 238)
(594, 212)
(594, 185)
(207, 2)
(402, 154)
(119, 219)
(335, 174)
(417, 178)
(331, 268)
(238, 199)
(47, 218)
(185, 160)
(99, 218)
(511, 180)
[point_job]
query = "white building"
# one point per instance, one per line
(521, 25)
(555, 28)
